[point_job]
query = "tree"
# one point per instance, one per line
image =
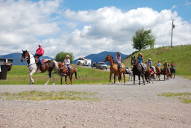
(61, 55)
(142, 39)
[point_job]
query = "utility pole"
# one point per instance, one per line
(172, 27)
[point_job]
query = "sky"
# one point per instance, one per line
(85, 27)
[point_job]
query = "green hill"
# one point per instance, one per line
(180, 55)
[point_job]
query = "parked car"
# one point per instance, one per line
(101, 65)
(84, 62)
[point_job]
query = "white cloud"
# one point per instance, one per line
(118, 27)
(25, 24)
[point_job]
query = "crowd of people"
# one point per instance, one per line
(149, 63)
(139, 59)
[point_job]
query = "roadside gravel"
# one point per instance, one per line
(120, 106)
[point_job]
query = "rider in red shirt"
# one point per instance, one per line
(39, 51)
(38, 54)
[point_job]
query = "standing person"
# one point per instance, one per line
(118, 60)
(67, 62)
(38, 54)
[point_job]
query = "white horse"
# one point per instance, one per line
(130, 72)
(49, 65)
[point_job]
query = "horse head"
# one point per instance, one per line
(108, 58)
(62, 68)
(25, 55)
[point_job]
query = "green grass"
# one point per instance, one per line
(38, 96)
(184, 97)
(180, 55)
(19, 75)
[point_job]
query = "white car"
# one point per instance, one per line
(84, 62)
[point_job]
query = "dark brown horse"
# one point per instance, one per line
(47, 65)
(138, 70)
(64, 72)
(173, 70)
(115, 70)
(165, 71)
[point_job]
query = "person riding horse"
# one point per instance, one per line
(67, 62)
(150, 65)
(140, 60)
(118, 60)
(38, 54)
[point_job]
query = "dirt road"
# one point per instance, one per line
(120, 106)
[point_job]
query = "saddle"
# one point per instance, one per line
(40, 62)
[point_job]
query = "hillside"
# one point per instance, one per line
(180, 55)
(17, 58)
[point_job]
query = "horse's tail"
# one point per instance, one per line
(55, 64)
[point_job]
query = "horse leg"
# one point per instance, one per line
(71, 79)
(61, 80)
(133, 79)
(164, 76)
(30, 77)
(119, 77)
(66, 79)
(114, 78)
(110, 75)
(124, 77)
(139, 79)
(76, 75)
(143, 79)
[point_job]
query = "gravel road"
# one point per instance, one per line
(120, 106)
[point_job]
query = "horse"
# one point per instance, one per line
(47, 65)
(173, 70)
(129, 71)
(63, 71)
(158, 72)
(115, 70)
(138, 70)
(150, 73)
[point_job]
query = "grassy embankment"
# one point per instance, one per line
(19, 75)
(37, 96)
(180, 55)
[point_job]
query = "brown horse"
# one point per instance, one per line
(48, 65)
(63, 71)
(158, 72)
(115, 70)
(163, 71)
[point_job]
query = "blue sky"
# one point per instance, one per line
(90, 26)
(183, 7)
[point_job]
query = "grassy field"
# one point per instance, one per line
(184, 97)
(38, 95)
(180, 55)
(19, 75)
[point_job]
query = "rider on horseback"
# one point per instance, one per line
(159, 66)
(38, 54)
(67, 62)
(140, 58)
(118, 60)
(150, 65)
